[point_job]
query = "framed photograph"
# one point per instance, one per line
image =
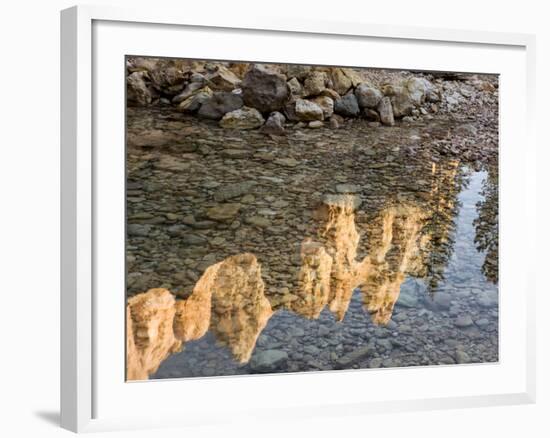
(291, 218)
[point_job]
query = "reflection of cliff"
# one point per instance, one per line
(408, 234)
(149, 334)
(228, 300)
(486, 225)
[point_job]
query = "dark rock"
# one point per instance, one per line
(264, 90)
(347, 106)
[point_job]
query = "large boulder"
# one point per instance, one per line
(386, 112)
(242, 118)
(410, 94)
(221, 103)
(347, 106)
(275, 124)
(306, 111)
(264, 89)
(367, 96)
(137, 91)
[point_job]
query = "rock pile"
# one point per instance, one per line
(244, 96)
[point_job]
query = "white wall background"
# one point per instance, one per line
(29, 215)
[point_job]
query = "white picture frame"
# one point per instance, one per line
(84, 384)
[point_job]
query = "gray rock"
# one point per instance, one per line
(275, 124)
(384, 344)
(488, 299)
(351, 358)
(407, 298)
(461, 357)
(367, 96)
(410, 94)
(219, 104)
(442, 300)
(482, 322)
(347, 106)
(375, 363)
(311, 349)
(268, 361)
(463, 321)
(242, 118)
(264, 90)
(386, 112)
(307, 111)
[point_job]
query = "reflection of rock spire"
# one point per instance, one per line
(486, 225)
(229, 301)
(149, 335)
(240, 310)
(394, 246)
(313, 289)
(342, 239)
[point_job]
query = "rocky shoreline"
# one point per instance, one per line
(269, 97)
